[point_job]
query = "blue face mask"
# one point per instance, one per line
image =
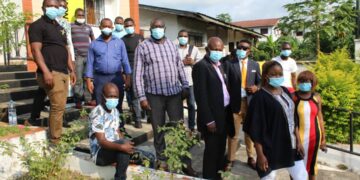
(51, 12)
(285, 53)
(111, 103)
(61, 11)
(106, 31)
(130, 30)
(183, 40)
(158, 33)
(215, 56)
(305, 87)
(276, 82)
(241, 54)
(119, 27)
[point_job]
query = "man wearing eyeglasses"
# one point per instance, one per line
(244, 81)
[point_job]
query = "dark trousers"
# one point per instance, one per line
(80, 90)
(38, 103)
(172, 105)
(214, 155)
(134, 103)
(101, 79)
(190, 101)
(106, 157)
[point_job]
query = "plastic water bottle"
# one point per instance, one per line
(12, 113)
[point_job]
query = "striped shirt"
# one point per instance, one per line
(158, 69)
(81, 34)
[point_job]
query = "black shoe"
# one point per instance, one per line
(138, 124)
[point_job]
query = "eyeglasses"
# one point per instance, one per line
(243, 48)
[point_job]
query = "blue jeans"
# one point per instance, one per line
(106, 157)
(190, 101)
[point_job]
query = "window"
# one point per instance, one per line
(299, 33)
(95, 11)
(196, 39)
(264, 31)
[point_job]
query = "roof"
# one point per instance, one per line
(201, 17)
(257, 23)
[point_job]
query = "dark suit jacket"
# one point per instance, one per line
(232, 69)
(210, 99)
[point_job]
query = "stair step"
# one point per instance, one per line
(14, 83)
(22, 107)
(13, 68)
(16, 94)
(17, 75)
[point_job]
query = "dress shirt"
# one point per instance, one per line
(158, 69)
(107, 57)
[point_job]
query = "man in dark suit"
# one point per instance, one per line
(244, 81)
(213, 106)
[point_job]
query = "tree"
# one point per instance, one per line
(320, 20)
(224, 17)
(10, 22)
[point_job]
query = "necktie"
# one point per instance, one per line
(243, 74)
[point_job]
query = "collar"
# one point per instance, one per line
(246, 60)
(100, 38)
(83, 24)
(48, 20)
(207, 58)
(157, 42)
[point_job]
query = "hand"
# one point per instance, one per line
(90, 86)
(127, 147)
(323, 145)
(300, 149)
(251, 89)
(262, 163)
(127, 84)
(72, 78)
(185, 93)
(49, 80)
(145, 105)
(211, 127)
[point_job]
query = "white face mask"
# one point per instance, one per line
(80, 20)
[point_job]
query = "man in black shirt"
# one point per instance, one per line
(49, 48)
(131, 41)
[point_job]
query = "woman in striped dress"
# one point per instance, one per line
(311, 124)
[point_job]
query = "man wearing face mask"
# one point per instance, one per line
(160, 82)
(131, 41)
(107, 60)
(107, 143)
(81, 34)
(66, 25)
(215, 120)
(119, 31)
(289, 67)
(49, 47)
(189, 54)
(244, 82)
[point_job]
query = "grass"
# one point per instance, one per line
(10, 130)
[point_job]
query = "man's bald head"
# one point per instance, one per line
(110, 90)
(215, 44)
(46, 3)
(157, 23)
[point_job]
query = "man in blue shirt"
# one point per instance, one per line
(107, 61)
(119, 31)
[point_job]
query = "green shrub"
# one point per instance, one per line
(338, 83)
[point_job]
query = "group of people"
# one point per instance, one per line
(279, 113)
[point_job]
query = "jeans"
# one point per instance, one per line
(57, 96)
(80, 89)
(172, 105)
(106, 157)
(190, 101)
(134, 103)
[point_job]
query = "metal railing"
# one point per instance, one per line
(352, 114)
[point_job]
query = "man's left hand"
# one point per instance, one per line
(185, 93)
(251, 89)
(72, 78)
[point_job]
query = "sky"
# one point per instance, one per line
(238, 9)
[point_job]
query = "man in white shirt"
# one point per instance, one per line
(289, 67)
(189, 54)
